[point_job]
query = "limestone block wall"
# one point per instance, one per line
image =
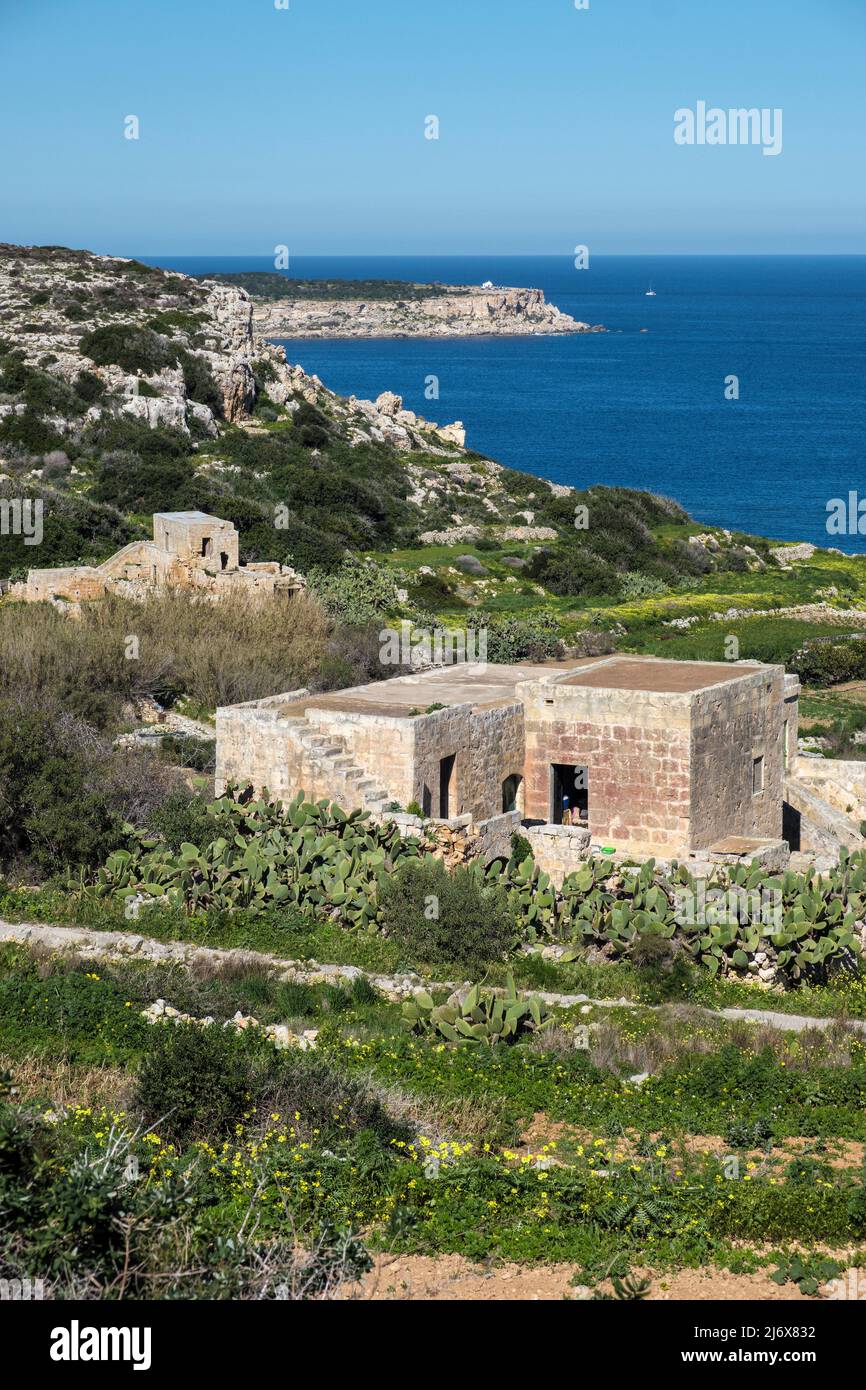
(558, 849)
(497, 751)
(791, 716)
(78, 583)
(494, 835)
(732, 725)
(444, 733)
(255, 744)
(636, 747)
(201, 541)
(138, 560)
(487, 745)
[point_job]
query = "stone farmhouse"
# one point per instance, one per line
(635, 755)
(189, 550)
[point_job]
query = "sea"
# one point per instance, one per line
(738, 388)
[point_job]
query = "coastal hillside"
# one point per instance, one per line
(126, 390)
(135, 910)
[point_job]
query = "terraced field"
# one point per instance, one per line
(641, 1143)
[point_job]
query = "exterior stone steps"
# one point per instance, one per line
(823, 828)
(332, 762)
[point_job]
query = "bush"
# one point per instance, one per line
(573, 570)
(199, 382)
(635, 585)
(829, 663)
(50, 810)
(189, 751)
(129, 346)
(359, 592)
(195, 1080)
(181, 819)
(440, 917)
(311, 426)
(89, 387)
(512, 638)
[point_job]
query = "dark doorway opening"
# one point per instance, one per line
(446, 785)
(510, 789)
(224, 560)
(791, 828)
(569, 794)
(205, 547)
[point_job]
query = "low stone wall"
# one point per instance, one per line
(558, 849)
(772, 855)
(459, 840)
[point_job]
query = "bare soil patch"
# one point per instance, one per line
(452, 1278)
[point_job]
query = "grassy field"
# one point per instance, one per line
(636, 1138)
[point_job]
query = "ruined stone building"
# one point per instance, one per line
(189, 550)
(632, 754)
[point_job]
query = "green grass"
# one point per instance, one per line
(306, 1163)
(760, 639)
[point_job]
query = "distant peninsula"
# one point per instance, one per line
(287, 308)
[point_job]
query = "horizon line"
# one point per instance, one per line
(502, 255)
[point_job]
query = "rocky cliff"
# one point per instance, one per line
(163, 348)
(465, 311)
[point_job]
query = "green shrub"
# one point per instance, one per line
(195, 1081)
(825, 663)
(89, 387)
(635, 585)
(535, 637)
(129, 346)
(520, 848)
(750, 1134)
(50, 810)
(573, 569)
(441, 917)
(181, 819)
(199, 382)
(360, 591)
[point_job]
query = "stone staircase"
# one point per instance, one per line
(334, 768)
(827, 798)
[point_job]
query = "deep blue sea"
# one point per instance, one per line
(643, 410)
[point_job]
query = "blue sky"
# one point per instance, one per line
(305, 126)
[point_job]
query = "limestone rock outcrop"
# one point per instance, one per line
(457, 311)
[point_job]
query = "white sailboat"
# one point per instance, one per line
(650, 293)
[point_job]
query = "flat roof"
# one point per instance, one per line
(191, 516)
(656, 675)
(464, 683)
(484, 685)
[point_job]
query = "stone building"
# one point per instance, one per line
(189, 550)
(634, 754)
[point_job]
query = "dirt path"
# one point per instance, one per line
(447, 1278)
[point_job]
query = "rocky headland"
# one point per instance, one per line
(458, 311)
